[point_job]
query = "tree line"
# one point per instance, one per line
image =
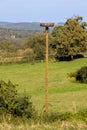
(66, 42)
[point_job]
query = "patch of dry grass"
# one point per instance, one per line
(64, 125)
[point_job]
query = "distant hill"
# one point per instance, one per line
(21, 25)
(61, 23)
(15, 33)
(20, 30)
(24, 25)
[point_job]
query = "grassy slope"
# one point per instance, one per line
(64, 94)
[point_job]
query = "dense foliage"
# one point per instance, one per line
(12, 103)
(81, 75)
(70, 39)
(37, 44)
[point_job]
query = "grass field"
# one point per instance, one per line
(64, 93)
(53, 126)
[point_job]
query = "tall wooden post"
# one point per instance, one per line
(47, 70)
(47, 25)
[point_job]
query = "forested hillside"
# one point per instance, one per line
(14, 33)
(21, 25)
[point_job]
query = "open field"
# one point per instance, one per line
(64, 93)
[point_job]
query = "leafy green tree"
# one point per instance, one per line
(56, 30)
(6, 45)
(70, 39)
(37, 44)
(7, 50)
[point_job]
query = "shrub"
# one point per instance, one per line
(72, 74)
(8, 94)
(65, 116)
(81, 114)
(23, 107)
(81, 75)
(12, 103)
(56, 116)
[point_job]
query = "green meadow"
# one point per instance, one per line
(65, 94)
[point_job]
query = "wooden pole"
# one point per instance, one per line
(47, 70)
(47, 25)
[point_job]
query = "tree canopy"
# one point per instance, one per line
(70, 39)
(37, 44)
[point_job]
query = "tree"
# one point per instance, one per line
(70, 39)
(6, 45)
(37, 44)
(7, 49)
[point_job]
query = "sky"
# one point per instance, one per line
(42, 10)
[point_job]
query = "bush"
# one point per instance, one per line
(12, 103)
(23, 107)
(8, 94)
(72, 74)
(81, 75)
(56, 116)
(81, 114)
(65, 116)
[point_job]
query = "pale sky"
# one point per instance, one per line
(42, 10)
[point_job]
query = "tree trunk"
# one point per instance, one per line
(71, 57)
